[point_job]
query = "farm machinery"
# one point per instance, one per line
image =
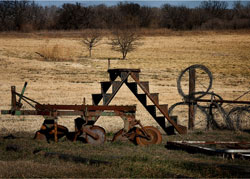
(86, 130)
(84, 125)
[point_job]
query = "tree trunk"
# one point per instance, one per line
(124, 55)
(90, 52)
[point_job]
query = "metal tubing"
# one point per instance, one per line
(20, 97)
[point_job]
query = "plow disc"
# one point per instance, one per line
(99, 133)
(154, 136)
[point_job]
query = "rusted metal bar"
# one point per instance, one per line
(179, 128)
(65, 113)
(83, 107)
(55, 134)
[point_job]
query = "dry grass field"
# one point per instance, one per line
(73, 76)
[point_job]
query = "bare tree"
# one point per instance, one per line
(91, 40)
(124, 41)
(214, 8)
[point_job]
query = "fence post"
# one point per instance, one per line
(191, 111)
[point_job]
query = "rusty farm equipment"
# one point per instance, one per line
(89, 114)
(84, 125)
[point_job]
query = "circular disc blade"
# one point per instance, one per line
(155, 136)
(101, 136)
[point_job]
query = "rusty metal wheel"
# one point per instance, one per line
(101, 136)
(154, 134)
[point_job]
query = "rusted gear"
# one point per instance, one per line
(100, 132)
(153, 134)
(203, 92)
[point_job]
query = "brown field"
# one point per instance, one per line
(160, 57)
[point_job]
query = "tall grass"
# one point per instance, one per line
(55, 52)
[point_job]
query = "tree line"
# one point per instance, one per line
(28, 16)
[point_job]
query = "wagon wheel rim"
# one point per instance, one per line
(198, 93)
(154, 135)
(101, 136)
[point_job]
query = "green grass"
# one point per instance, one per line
(68, 159)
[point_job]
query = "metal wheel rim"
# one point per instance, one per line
(203, 93)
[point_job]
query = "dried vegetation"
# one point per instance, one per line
(72, 76)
